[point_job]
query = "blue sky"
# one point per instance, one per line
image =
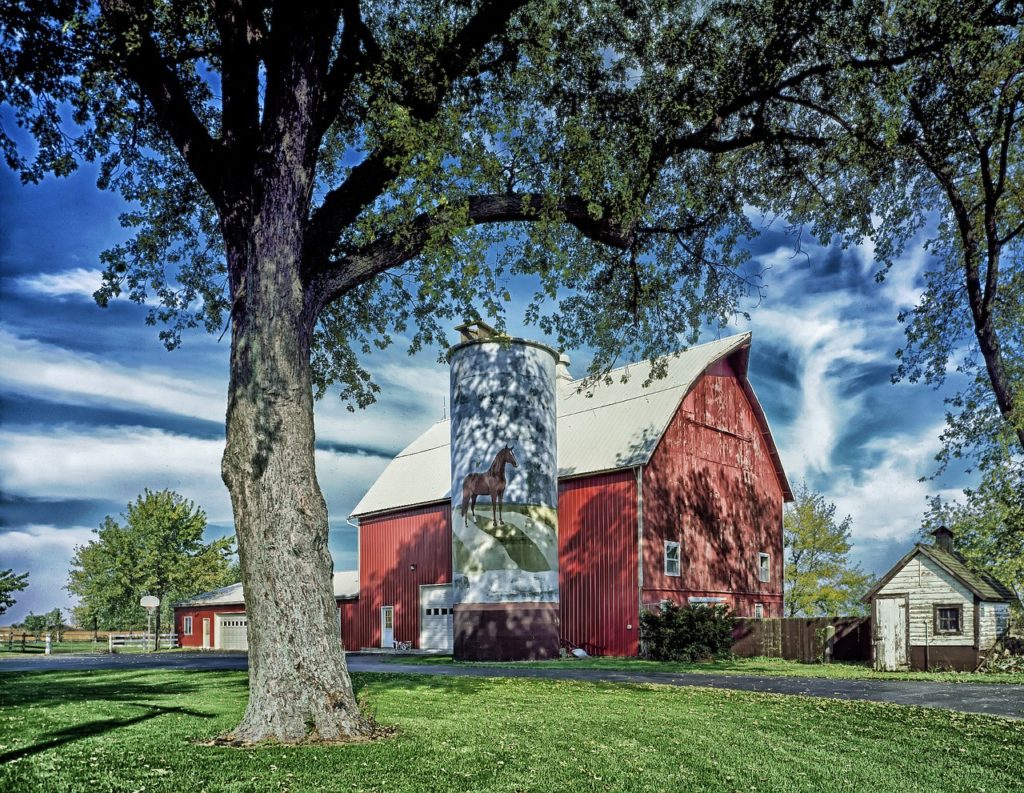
(93, 409)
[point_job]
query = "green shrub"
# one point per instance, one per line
(687, 633)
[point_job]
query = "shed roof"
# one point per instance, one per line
(346, 586)
(982, 585)
(616, 426)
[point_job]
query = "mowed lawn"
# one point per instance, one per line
(142, 731)
(772, 667)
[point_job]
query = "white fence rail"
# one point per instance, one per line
(145, 641)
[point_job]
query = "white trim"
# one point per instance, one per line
(764, 567)
(186, 625)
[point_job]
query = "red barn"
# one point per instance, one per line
(672, 492)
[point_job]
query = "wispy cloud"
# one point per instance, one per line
(79, 282)
(35, 368)
(45, 553)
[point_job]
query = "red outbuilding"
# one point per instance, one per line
(673, 492)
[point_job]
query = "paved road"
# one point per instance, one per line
(992, 699)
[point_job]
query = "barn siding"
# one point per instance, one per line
(927, 585)
(597, 549)
(388, 546)
(992, 617)
(711, 486)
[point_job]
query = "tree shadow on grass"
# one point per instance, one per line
(94, 728)
(44, 689)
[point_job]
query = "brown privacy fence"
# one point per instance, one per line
(808, 640)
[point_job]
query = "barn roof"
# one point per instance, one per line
(983, 585)
(346, 585)
(617, 426)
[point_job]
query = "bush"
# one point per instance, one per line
(687, 633)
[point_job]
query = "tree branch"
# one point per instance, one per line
(423, 95)
(335, 278)
(147, 67)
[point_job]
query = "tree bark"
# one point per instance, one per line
(299, 687)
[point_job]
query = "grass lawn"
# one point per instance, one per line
(138, 730)
(36, 648)
(736, 666)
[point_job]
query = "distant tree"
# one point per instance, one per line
(820, 580)
(55, 625)
(157, 550)
(35, 624)
(10, 582)
(988, 529)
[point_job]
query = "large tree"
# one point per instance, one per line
(820, 578)
(158, 550)
(10, 582)
(326, 175)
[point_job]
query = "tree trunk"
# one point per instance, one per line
(299, 687)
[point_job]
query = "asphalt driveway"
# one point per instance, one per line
(993, 699)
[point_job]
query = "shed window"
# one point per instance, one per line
(949, 619)
(759, 611)
(186, 626)
(764, 567)
(671, 558)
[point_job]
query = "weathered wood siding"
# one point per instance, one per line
(711, 486)
(928, 585)
(993, 620)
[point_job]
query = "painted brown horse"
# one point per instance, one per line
(490, 483)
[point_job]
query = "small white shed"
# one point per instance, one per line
(930, 611)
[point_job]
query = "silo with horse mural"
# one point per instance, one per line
(504, 497)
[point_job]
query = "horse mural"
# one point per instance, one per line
(490, 483)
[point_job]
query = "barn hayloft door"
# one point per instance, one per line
(891, 633)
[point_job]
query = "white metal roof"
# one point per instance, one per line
(346, 585)
(616, 426)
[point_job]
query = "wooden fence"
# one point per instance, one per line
(809, 640)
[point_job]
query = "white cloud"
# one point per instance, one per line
(79, 282)
(34, 368)
(45, 553)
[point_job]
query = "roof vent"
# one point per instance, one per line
(475, 330)
(562, 370)
(943, 539)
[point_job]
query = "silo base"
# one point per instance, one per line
(506, 631)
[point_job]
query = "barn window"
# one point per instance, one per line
(186, 626)
(949, 619)
(759, 611)
(671, 558)
(764, 567)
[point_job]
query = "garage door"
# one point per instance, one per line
(436, 625)
(232, 632)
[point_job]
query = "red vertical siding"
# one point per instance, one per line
(597, 567)
(711, 486)
(389, 546)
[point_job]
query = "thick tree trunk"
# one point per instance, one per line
(299, 687)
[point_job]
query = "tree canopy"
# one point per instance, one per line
(157, 549)
(10, 582)
(820, 579)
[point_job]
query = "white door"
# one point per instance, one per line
(206, 633)
(436, 625)
(232, 632)
(891, 633)
(387, 626)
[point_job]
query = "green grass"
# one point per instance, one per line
(37, 647)
(141, 730)
(737, 666)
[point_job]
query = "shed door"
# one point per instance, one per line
(233, 631)
(437, 630)
(387, 626)
(891, 633)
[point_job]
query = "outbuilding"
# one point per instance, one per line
(931, 611)
(216, 620)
